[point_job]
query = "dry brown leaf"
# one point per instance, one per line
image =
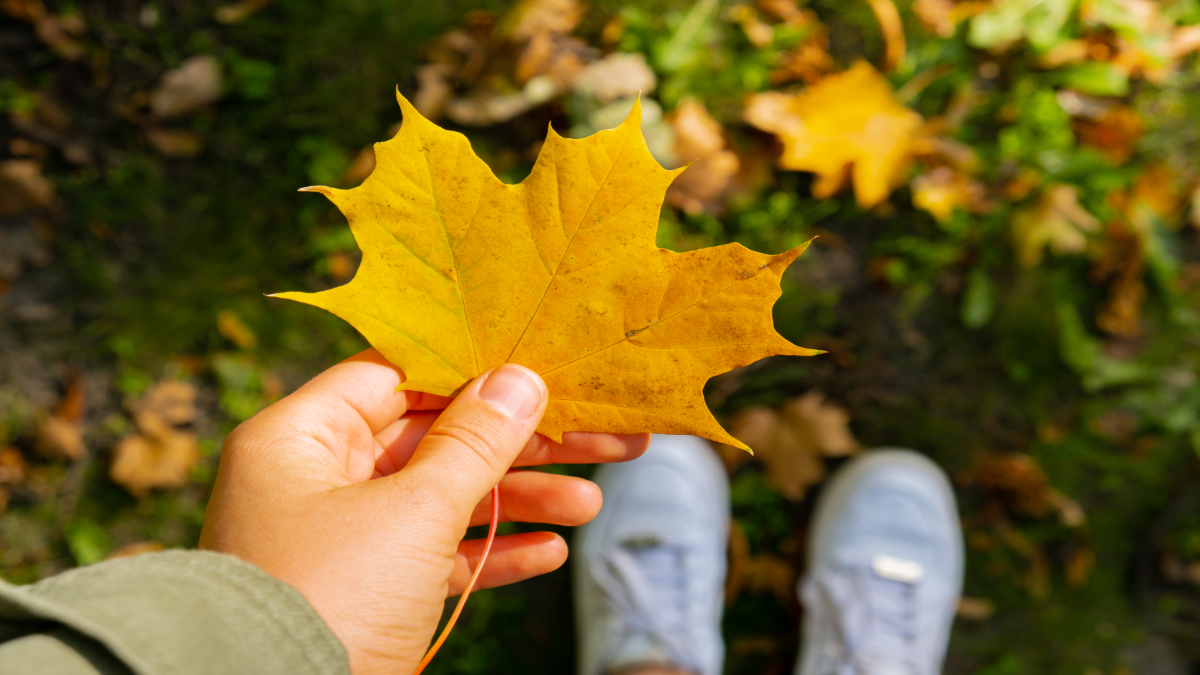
(533, 17)
(1020, 484)
(238, 12)
(13, 468)
(1115, 133)
(699, 141)
(1121, 258)
(60, 434)
(975, 609)
(23, 188)
(195, 84)
(175, 143)
(846, 126)
(138, 548)
(59, 438)
(232, 328)
(807, 63)
(158, 455)
(141, 463)
(790, 442)
(618, 75)
(433, 92)
(1056, 222)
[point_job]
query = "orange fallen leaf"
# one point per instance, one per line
(159, 454)
(60, 434)
(1115, 133)
(846, 126)
(559, 273)
(1056, 222)
(232, 328)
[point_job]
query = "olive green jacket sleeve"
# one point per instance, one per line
(169, 613)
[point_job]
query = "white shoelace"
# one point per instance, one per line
(876, 620)
(647, 588)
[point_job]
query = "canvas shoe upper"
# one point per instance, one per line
(649, 571)
(885, 569)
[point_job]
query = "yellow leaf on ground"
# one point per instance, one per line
(846, 123)
(1056, 221)
(942, 190)
(560, 273)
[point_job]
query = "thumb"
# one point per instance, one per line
(476, 439)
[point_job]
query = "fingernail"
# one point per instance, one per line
(513, 390)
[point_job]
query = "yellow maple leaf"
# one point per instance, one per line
(461, 273)
(846, 125)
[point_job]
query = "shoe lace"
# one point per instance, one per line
(646, 586)
(876, 620)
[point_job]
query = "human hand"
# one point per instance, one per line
(295, 495)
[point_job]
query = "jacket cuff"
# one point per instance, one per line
(182, 613)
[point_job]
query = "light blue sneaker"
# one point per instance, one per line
(885, 569)
(650, 569)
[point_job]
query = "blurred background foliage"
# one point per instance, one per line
(1006, 275)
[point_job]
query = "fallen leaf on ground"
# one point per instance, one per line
(534, 17)
(560, 273)
(192, 86)
(1120, 258)
(699, 142)
(618, 75)
(158, 454)
(23, 188)
(763, 573)
(791, 441)
(13, 468)
(1021, 485)
(238, 12)
(232, 328)
(1115, 133)
(943, 16)
(975, 609)
(60, 433)
(1056, 222)
(893, 32)
(942, 190)
(757, 31)
(175, 143)
(846, 126)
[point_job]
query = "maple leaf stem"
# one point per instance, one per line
(487, 547)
